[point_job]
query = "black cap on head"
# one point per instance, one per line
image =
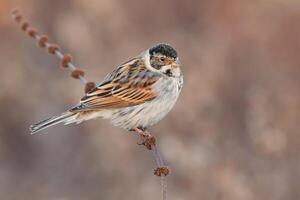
(164, 49)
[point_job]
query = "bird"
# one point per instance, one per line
(134, 96)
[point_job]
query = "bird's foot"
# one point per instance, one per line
(146, 138)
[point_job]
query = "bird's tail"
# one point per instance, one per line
(67, 117)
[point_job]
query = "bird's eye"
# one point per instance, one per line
(162, 59)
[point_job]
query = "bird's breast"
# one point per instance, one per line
(149, 113)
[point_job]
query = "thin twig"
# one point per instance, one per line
(54, 49)
(160, 164)
(162, 170)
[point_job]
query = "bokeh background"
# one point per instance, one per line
(234, 133)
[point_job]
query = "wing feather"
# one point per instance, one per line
(128, 85)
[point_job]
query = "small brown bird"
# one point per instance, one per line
(136, 95)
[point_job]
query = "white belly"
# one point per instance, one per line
(151, 112)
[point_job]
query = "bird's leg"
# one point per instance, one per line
(147, 139)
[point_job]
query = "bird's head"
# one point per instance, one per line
(163, 58)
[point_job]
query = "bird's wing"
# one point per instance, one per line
(128, 85)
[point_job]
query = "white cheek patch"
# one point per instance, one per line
(146, 57)
(165, 68)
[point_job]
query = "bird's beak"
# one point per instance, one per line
(176, 64)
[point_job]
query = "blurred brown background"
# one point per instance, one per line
(232, 135)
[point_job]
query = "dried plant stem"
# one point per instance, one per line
(160, 164)
(162, 171)
(60, 55)
(66, 62)
(66, 59)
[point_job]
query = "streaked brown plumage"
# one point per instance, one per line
(138, 93)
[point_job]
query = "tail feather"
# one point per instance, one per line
(65, 117)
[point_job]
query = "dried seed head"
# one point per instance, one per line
(32, 32)
(148, 141)
(42, 41)
(66, 60)
(76, 73)
(88, 86)
(24, 25)
(162, 171)
(18, 18)
(52, 48)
